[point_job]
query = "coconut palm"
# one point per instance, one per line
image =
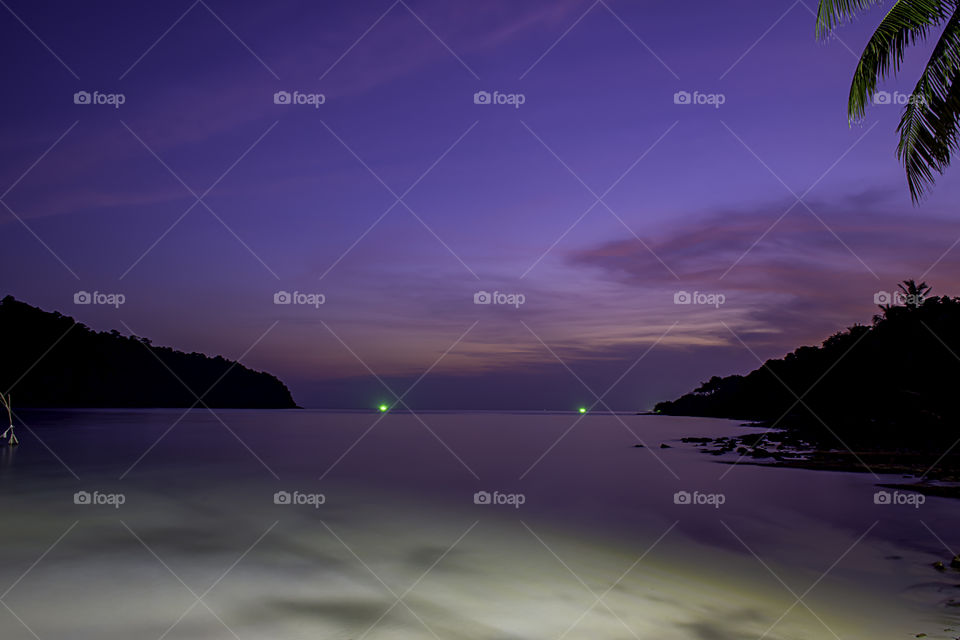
(911, 294)
(928, 127)
(914, 294)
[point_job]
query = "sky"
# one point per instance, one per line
(497, 205)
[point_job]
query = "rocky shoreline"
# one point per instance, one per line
(932, 473)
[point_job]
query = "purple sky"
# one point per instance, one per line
(501, 198)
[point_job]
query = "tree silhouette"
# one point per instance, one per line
(914, 294)
(892, 381)
(85, 368)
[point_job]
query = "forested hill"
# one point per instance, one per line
(893, 381)
(86, 368)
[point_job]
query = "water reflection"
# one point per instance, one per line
(399, 549)
(7, 455)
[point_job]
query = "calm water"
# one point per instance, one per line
(193, 536)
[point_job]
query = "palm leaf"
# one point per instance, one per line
(908, 22)
(928, 127)
(831, 13)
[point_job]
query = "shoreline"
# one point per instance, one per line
(935, 473)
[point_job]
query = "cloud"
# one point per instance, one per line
(802, 279)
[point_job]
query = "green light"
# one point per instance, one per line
(383, 407)
(583, 409)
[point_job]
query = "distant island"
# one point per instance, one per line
(86, 368)
(887, 389)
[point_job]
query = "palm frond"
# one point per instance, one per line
(831, 13)
(907, 22)
(929, 126)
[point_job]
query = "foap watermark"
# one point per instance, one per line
(712, 99)
(297, 297)
(700, 499)
(899, 498)
(699, 297)
(498, 297)
(897, 98)
(513, 99)
(296, 97)
(898, 297)
(297, 498)
(98, 499)
(98, 297)
(111, 99)
(512, 499)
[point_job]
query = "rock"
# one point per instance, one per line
(955, 563)
(638, 446)
(939, 566)
(665, 446)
